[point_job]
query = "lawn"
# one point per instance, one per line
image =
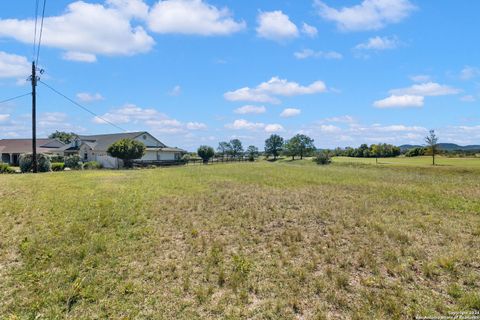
(262, 241)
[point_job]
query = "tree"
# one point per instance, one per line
(290, 149)
(303, 145)
(274, 145)
(205, 152)
(127, 150)
(63, 136)
(432, 144)
(224, 148)
(376, 151)
(252, 153)
(236, 147)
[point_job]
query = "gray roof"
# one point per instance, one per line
(25, 145)
(103, 141)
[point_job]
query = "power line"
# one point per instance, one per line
(14, 98)
(41, 31)
(82, 107)
(35, 32)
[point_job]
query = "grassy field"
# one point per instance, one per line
(425, 161)
(286, 240)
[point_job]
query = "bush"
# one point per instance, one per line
(5, 168)
(55, 158)
(322, 158)
(415, 152)
(58, 166)
(92, 165)
(43, 162)
(73, 162)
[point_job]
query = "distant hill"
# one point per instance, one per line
(444, 146)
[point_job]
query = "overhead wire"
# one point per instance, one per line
(82, 107)
(41, 31)
(35, 32)
(14, 98)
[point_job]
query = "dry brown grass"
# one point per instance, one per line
(258, 241)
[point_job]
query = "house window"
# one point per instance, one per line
(85, 156)
(144, 137)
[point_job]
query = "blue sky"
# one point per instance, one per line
(197, 72)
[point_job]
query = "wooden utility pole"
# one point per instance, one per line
(34, 118)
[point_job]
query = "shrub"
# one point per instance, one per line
(127, 150)
(43, 162)
(92, 165)
(5, 168)
(73, 162)
(322, 158)
(58, 166)
(55, 158)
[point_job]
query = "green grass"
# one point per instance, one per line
(425, 161)
(286, 240)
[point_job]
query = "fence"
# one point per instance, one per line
(161, 163)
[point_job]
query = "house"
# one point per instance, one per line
(94, 148)
(91, 148)
(11, 149)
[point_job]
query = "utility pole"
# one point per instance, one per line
(34, 118)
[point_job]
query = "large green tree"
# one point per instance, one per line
(127, 150)
(63, 136)
(273, 146)
(300, 145)
(236, 147)
(205, 152)
(224, 148)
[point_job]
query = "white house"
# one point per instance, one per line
(94, 148)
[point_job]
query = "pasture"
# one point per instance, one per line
(285, 240)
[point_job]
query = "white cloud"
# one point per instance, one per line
(290, 112)
(148, 117)
(369, 15)
(250, 109)
(51, 121)
(379, 43)
(14, 66)
(426, 89)
(309, 53)
(468, 98)
(4, 117)
(469, 73)
(194, 17)
(395, 128)
(340, 119)
(272, 128)
(89, 97)
(402, 101)
(130, 113)
(85, 30)
(270, 90)
(276, 25)
(309, 30)
(196, 126)
(131, 8)
(328, 128)
(421, 78)
(176, 91)
(79, 57)
(242, 124)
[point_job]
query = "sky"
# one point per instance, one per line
(194, 72)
